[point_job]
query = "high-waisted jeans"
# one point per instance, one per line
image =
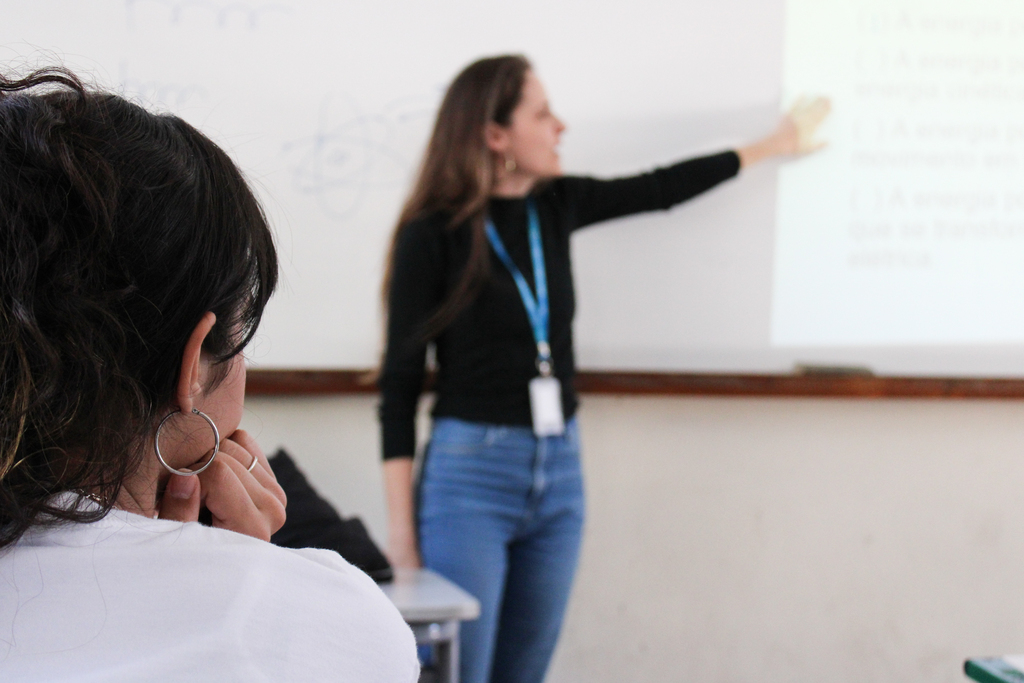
(501, 514)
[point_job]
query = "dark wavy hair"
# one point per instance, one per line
(119, 229)
(457, 172)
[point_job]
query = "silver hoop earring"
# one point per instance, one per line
(216, 445)
(510, 163)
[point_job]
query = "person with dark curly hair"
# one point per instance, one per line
(135, 264)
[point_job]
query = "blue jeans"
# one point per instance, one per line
(501, 514)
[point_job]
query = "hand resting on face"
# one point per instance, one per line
(247, 502)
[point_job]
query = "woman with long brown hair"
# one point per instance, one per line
(479, 270)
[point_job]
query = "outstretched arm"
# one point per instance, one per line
(590, 200)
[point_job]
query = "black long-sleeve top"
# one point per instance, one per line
(487, 356)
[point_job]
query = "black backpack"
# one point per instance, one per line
(314, 523)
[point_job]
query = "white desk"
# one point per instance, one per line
(433, 606)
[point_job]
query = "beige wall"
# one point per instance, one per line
(765, 540)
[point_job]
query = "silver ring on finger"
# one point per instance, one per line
(252, 465)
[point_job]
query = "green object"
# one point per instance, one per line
(993, 670)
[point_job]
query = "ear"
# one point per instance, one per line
(497, 138)
(190, 381)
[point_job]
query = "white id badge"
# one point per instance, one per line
(546, 406)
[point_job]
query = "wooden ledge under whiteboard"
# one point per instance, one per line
(812, 384)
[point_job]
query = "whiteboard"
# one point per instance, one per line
(326, 107)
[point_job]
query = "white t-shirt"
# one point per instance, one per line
(135, 599)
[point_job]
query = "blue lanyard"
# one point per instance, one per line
(536, 308)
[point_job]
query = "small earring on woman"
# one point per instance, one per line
(510, 163)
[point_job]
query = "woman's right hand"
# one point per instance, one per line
(796, 133)
(805, 117)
